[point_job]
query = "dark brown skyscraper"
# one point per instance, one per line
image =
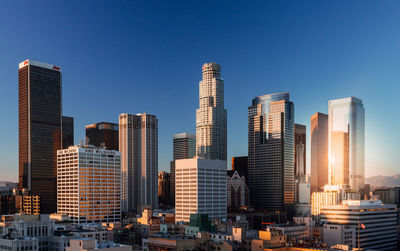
(299, 150)
(103, 133)
(40, 119)
(67, 132)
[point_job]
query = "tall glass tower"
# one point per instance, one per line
(346, 142)
(271, 151)
(211, 133)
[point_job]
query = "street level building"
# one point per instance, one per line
(89, 184)
(375, 223)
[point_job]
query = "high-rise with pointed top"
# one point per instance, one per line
(211, 133)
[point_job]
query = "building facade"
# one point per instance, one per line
(40, 125)
(103, 134)
(346, 142)
(67, 131)
(184, 147)
(300, 151)
(164, 188)
(237, 192)
(319, 152)
(89, 184)
(211, 120)
(239, 164)
(138, 144)
(332, 195)
(375, 223)
(200, 188)
(271, 151)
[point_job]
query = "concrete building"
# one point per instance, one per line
(271, 152)
(375, 223)
(211, 120)
(184, 147)
(200, 188)
(138, 144)
(103, 134)
(237, 191)
(319, 152)
(334, 234)
(89, 184)
(85, 244)
(346, 142)
(390, 195)
(33, 231)
(40, 130)
(332, 195)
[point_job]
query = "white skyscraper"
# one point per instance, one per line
(200, 188)
(346, 142)
(138, 144)
(211, 138)
(89, 184)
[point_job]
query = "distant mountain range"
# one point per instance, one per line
(384, 181)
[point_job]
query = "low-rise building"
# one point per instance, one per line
(85, 244)
(339, 234)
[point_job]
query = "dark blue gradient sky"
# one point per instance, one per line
(146, 56)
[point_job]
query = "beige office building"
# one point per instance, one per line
(211, 133)
(138, 144)
(89, 184)
(200, 188)
(319, 152)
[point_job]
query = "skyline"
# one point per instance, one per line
(89, 73)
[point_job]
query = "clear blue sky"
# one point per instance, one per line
(146, 56)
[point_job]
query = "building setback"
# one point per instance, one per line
(211, 133)
(89, 184)
(200, 188)
(40, 125)
(138, 144)
(103, 134)
(319, 152)
(184, 147)
(271, 152)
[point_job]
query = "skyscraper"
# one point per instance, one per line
(184, 147)
(319, 152)
(67, 132)
(300, 150)
(346, 142)
(40, 135)
(271, 151)
(103, 133)
(138, 144)
(211, 134)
